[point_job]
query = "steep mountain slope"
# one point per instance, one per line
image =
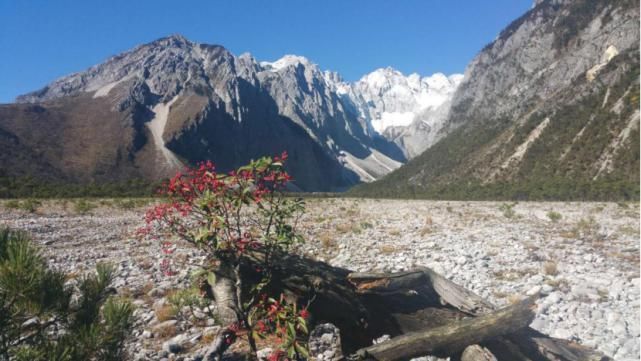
(547, 110)
(141, 114)
(146, 112)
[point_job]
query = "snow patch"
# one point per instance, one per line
(284, 62)
(392, 119)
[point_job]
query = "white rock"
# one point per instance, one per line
(533, 291)
(461, 260)
(563, 333)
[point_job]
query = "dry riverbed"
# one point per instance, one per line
(584, 257)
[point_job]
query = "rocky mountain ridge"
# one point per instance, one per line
(174, 101)
(547, 110)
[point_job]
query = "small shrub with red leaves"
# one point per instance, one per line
(287, 323)
(229, 215)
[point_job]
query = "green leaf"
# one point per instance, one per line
(291, 330)
(211, 279)
(301, 350)
(302, 324)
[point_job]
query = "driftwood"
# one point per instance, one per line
(453, 337)
(421, 310)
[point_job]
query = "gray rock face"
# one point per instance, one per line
(190, 101)
(542, 53)
(551, 100)
(201, 102)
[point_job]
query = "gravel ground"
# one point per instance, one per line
(586, 263)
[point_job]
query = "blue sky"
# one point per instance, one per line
(41, 40)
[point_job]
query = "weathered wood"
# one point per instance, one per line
(477, 353)
(454, 337)
(417, 280)
(530, 342)
(366, 305)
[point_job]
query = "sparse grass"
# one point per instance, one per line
(550, 268)
(366, 225)
(428, 226)
(425, 230)
(554, 216)
(628, 230)
(165, 312)
(327, 241)
(508, 210)
(28, 205)
(208, 338)
(514, 274)
(105, 203)
(12, 204)
(82, 206)
(166, 331)
(353, 212)
(343, 228)
(394, 232)
(558, 283)
(587, 228)
(188, 299)
(125, 204)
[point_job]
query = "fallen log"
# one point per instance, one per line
(452, 338)
(526, 344)
(365, 306)
(418, 280)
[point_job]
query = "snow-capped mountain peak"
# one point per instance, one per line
(387, 98)
(286, 61)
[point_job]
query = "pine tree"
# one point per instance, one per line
(42, 317)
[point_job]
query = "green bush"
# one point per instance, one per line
(554, 216)
(82, 206)
(125, 204)
(508, 210)
(12, 204)
(38, 319)
(29, 205)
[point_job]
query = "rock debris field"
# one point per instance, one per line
(583, 257)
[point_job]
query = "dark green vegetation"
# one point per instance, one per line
(588, 151)
(45, 318)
